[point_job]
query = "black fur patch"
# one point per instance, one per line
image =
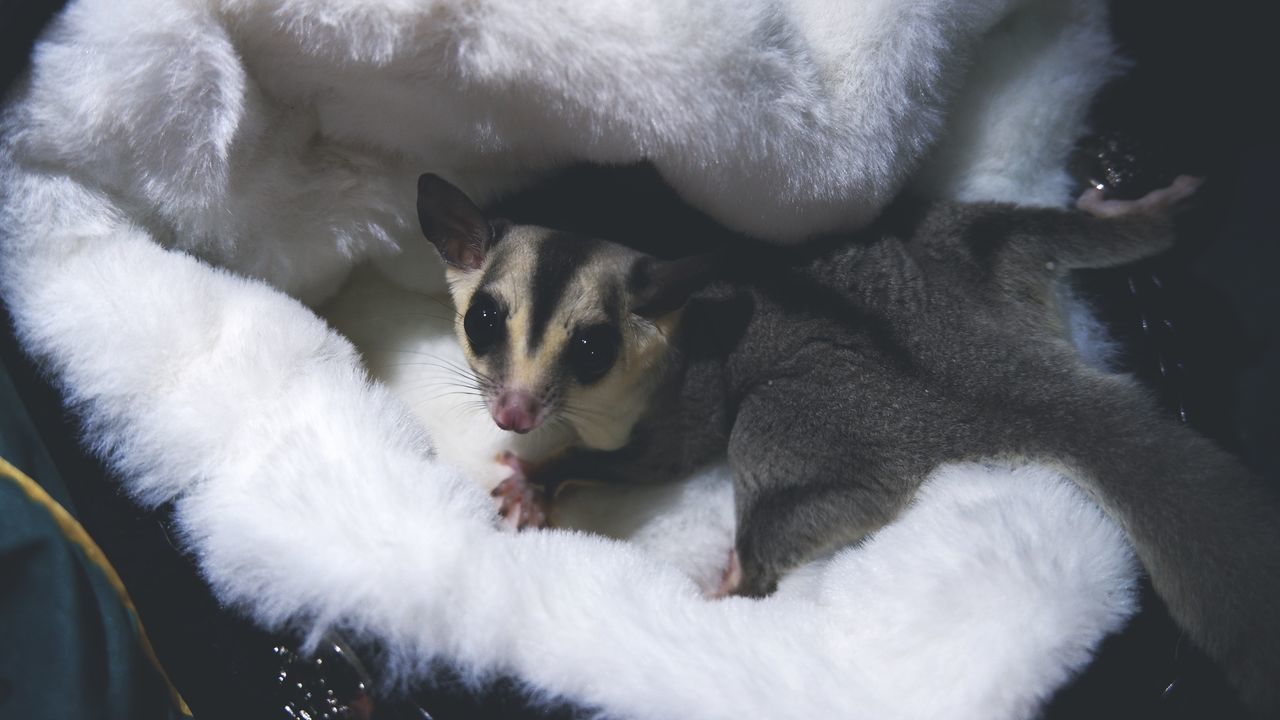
(613, 305)
(560, 255)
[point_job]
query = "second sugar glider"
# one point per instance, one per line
(836, 376)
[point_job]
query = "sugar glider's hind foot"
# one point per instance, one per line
(521, 504)
(755, 585)
(731, 578)
(1163, 200)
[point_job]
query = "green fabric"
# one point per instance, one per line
(21, 446)
(69, 648)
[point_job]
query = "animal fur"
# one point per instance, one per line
(838, 377)
(176, 176)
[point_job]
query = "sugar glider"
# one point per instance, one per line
(836, 376)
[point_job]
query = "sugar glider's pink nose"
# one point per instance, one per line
(517, 411)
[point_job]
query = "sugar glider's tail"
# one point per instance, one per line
(1206, 529)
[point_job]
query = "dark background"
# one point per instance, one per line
(1199, 325)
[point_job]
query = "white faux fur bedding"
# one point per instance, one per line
(280, 141)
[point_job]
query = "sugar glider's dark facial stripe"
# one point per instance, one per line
(493, 269)
(612, 305)
(560, 257)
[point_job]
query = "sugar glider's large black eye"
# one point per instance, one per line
(592, 352)
(485, 323)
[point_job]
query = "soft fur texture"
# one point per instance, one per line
(156, 141)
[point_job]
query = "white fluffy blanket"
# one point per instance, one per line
(177, 178)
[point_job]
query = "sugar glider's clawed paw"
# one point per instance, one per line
(1094, 202)
(521, 503)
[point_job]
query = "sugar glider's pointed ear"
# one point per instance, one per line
(453, 223)
(661, 286)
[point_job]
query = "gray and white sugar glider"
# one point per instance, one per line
(838, 375)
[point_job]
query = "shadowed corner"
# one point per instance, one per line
(20, 24)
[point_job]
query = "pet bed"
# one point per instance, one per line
(179, 181)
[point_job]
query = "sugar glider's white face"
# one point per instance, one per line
(557, 328)
(547, 324)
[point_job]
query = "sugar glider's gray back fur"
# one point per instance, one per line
(838, 376)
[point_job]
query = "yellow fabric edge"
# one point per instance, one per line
(75, 532)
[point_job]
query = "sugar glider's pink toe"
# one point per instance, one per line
(1160, 200)
(731, 578)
